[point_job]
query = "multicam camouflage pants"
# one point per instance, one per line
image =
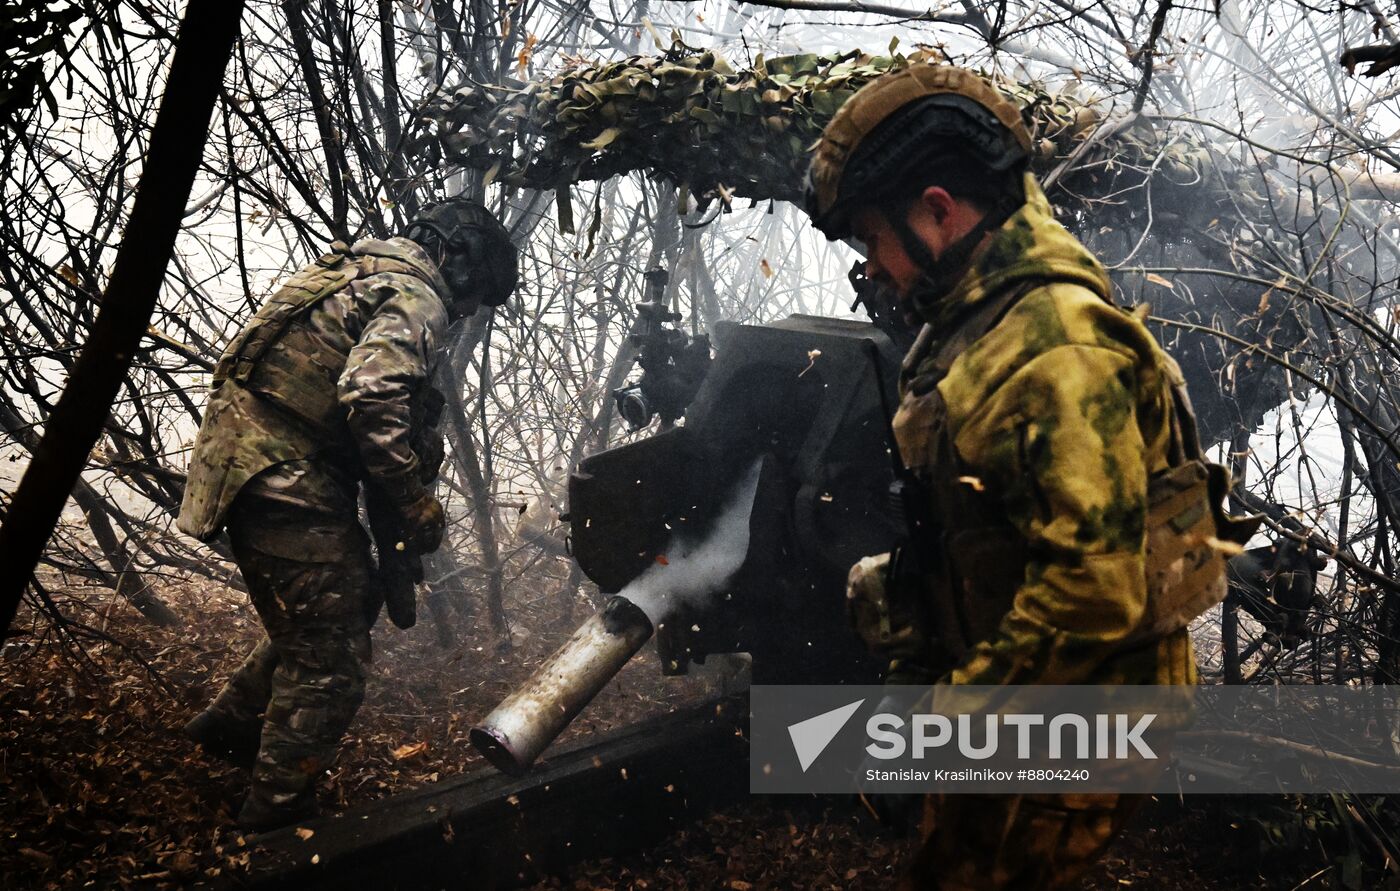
(1022, 842)
(309, 577)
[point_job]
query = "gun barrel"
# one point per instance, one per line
(532, 717)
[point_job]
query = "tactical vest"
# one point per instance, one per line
(977, 559)
(301, 373)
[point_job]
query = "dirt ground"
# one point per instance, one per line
(99, 789)
(769, 844)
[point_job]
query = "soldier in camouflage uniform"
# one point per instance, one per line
(1071, 523)
(328, 389)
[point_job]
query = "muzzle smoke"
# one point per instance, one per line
(697, 568)
(530, 719)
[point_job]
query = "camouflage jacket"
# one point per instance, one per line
(336, 378)
(1056, 416)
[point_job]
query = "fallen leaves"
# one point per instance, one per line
(976, 484)
(522, 59)
(136, 804)
(37, 856)
(409, 750)
(98, 787)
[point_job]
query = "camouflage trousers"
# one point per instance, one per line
(1021, 842)
(309, 577)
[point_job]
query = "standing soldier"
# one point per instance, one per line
(1043, 430)
(326, 389)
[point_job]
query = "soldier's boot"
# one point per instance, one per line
(224, 738)
(258, 814)
(230, 729)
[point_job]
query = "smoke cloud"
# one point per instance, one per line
(696, 569)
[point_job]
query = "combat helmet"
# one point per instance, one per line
(471, 247)
(903, 121)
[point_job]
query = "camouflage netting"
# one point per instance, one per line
(1152, 192)
(720, 132)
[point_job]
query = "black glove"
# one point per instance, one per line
(400, 567)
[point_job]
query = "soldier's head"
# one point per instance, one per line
(919, 165)
(472, 250)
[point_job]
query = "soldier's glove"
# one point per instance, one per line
(867, 601)
(432, 452)
(422, 522)
(400, 568)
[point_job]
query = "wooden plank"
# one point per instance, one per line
(597, 797)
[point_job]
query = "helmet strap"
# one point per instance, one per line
(941, 275)
(897, 215)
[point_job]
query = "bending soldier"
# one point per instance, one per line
(1043, 429)
(325, 391)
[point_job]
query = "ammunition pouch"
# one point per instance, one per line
(1189, 534)
(1185, 567)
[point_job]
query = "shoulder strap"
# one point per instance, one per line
(1185, 439)
(327, 275)
(308, 287)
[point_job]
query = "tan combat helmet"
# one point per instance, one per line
(900, 121)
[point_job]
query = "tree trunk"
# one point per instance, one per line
(202, 49)
(127, 583)
(1229, 613)
(468, 465)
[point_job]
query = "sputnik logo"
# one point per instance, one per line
(811, 737)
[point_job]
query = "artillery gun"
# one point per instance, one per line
(796, 408)
(800, 401)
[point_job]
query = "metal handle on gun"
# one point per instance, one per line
(896, 460)
(903, 490)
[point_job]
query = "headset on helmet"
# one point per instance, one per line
(901, 122)
(469, 239)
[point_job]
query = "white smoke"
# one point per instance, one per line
(694, 570)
